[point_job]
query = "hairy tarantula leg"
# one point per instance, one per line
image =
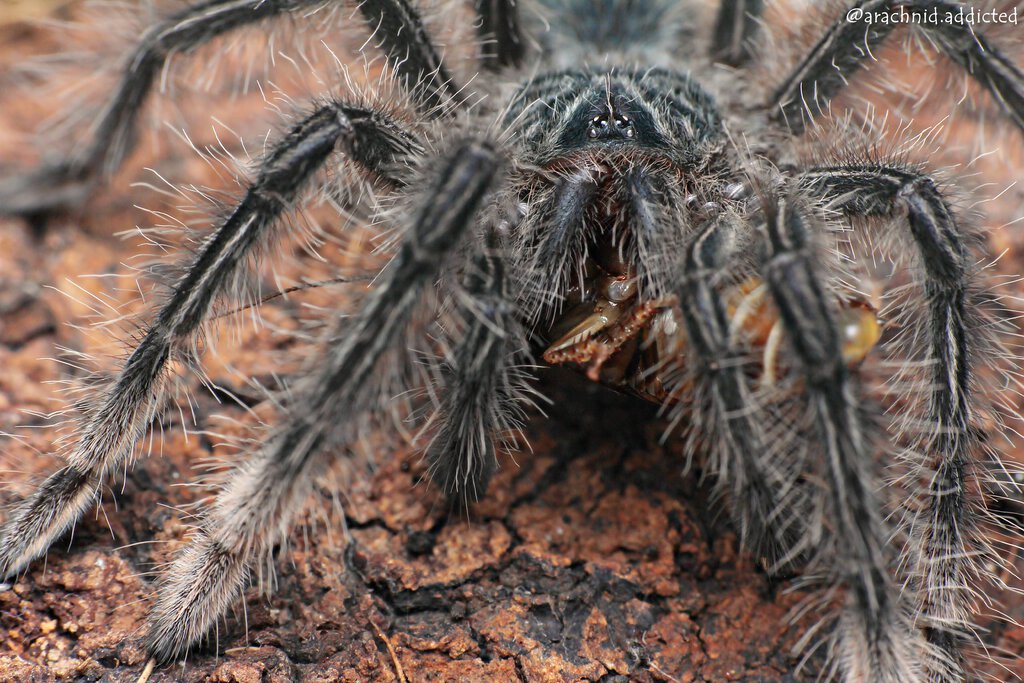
(563, 237)
(735, 27)
(482, 388)
(404, 40)
(948, 561)
(255, 510)
(845, 46)
(110, 434)
(656, 241)
(68, 183)
(738, 450)
(874, 640)
(502, 36)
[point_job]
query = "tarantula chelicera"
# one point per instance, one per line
(619, 204)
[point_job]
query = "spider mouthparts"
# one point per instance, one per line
(601, 316)
(603, 332)
(617, 338)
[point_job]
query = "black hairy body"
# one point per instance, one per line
(605, 208)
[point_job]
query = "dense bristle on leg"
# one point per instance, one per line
(124, 410)
(257, 507)
(947, 557)
(874, 641)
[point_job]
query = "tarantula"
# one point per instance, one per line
(804, 324)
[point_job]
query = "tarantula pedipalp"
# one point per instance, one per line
(607, 218)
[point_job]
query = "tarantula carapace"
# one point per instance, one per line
(606, 206)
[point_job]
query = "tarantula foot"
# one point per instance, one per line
(50, 190)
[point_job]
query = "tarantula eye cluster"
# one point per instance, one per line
(603, 217)
(604, 126)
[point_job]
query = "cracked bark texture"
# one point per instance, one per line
(592, 558)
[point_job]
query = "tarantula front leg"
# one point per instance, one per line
(741, 458)
(111, 432)
(401, 35)
(482, 388)
(852, 39)
(874, 641)
(549, 256)
(67, 183)
(948, 559)
(735, 27)
(255, 510)
(502, 35)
